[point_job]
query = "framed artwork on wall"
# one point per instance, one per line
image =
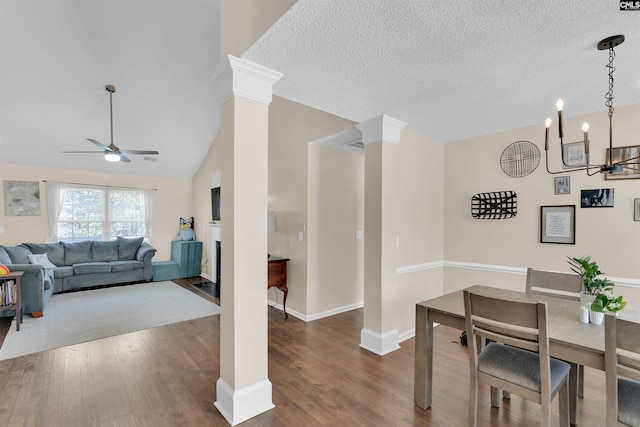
(625, 153)
(558, 224)
(574, 155)
(636, 209)
(601, 198)
(21, 198)
(561, 185)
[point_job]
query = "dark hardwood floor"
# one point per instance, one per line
(166, 376)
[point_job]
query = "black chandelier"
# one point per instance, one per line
(609, 167)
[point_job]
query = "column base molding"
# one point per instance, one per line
(239, 406)
(380, 344)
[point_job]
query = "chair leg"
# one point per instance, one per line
(496, 397)
(563, 397)
(580, 381)
(473, 403)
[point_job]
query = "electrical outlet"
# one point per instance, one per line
(358, 234)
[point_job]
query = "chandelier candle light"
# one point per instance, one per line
(609, 167)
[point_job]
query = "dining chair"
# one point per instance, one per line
(622, 370)
(518, 361)
(557, 285)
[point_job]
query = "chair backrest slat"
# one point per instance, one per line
(518, 313)
(550, 283)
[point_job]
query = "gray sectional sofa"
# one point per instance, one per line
(75, 265)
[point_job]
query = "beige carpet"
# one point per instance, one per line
(77, 317)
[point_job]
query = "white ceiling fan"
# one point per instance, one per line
(111, 152)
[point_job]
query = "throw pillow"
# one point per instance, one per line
(41, 259)
(127, 247)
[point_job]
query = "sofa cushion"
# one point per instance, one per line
(127, 247)
(91, 267)
(117, 266)
(4, 257)
(60, 272)
(77, 252)
(104, 251)
(18, 254)
(41, 259)
(54, 251)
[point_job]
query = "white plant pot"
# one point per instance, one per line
(595, 317)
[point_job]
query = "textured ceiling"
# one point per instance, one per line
(58, 55)
(452, 70)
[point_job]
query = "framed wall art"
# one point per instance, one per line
(561, 185)
(601, 198)
(574, 155)
(621, 154)
(636, 209)
(21, 198)
(558, 224)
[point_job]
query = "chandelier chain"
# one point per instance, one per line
(609, 95)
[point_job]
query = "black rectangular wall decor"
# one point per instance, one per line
(494, 205)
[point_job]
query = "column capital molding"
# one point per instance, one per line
(381, 128)
(240, 77)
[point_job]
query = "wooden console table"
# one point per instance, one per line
(16, 304)
(278, 278)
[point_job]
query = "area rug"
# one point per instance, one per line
(76, 317)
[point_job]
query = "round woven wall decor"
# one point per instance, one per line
(520, 158)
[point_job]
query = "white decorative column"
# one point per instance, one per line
(244, 89)
(380, 136)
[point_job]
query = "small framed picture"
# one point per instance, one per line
(636, 209)
(574, 155)
(601, 198)
(558, 224)
(561, 185)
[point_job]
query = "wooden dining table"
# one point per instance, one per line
(569, 339)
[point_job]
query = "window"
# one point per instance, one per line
(102, 213)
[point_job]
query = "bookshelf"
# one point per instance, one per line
(11, 294)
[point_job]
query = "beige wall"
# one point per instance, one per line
(608, 235)
(171, 200)
(335, 212)
(291, 127)
(420, 195)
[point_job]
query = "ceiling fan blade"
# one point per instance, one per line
(124, 159)
(99, 144)
(76, 152)
(139, 152)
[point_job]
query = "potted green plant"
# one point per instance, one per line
(604, 302)
(590, 273)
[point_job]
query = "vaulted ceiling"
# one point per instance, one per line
(452, 70)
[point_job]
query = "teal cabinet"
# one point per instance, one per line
(187, 253)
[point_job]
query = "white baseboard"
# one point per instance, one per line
(241, 405)
(316, 316)
(379, 344)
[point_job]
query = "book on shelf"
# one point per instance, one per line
(8, 292)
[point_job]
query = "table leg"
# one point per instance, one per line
(573, 392)
(423, 374)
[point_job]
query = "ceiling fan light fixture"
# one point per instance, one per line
(112, 157)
